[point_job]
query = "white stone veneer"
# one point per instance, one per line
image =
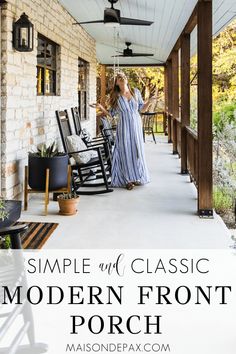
(28, 119)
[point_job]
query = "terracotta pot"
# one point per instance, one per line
(68, 206)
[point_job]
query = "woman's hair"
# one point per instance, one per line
(116, 91)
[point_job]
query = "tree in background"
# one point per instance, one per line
(224, 119)
(149, 80)
(224, 122)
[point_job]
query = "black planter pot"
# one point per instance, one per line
(58, 170)
(13, 208)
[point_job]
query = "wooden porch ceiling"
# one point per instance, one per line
(169, 17)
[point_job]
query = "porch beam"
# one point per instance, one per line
(192, 22)
(189, 27)
(175, 97)
(169, 98)
(166, 99)
(166, 88)
(204, 35)
(103, 84)
(185, 98)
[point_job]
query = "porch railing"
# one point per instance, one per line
(192, 154)
(178, 135)
(169, 126)
(159, 125)
(175, 134)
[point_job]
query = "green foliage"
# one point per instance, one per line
(224, 66)
(66, 196)
(47, 151)
(222, 199)
(224, 115)
(149, 80)
(3, 212)
(5, 242)
(224, 80)
(224, 121)
(193, 92)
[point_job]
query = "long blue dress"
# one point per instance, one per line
(128, 161)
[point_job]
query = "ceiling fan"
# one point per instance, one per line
(112, 18)
(128, 52)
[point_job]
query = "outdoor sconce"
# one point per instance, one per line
(23, 34)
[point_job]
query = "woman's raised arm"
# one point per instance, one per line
(98, 105)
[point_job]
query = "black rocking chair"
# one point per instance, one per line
(78, 127)
(148, 123)
(107, 131)
(82, 173)
(105, 144)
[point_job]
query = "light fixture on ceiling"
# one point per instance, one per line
(112, 24)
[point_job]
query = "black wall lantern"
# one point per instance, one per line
(23, 34)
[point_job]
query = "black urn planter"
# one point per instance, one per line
(13, 209)
(58, 172)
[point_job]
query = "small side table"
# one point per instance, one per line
(46, 192)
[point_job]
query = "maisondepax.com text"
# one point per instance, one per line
(118, 347)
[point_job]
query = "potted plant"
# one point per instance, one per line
(47, 157)
(3, 211)
(68, 203)
(10, 211)
(3, 216)
(5, 242)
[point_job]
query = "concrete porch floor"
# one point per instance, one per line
(161, 214)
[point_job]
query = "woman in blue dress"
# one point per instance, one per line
(129, 167)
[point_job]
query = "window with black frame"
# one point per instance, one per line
(83, 72)
(46, 66)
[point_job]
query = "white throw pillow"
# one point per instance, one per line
(86, 136)
(75, 143)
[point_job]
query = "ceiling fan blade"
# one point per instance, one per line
(133, 55)
(133, 21)
(87, 22)
(142, 55)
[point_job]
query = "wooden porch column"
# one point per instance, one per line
(166, 99)
(175, 97)
(185, 98)
(103, 84)
(169, 98)
(205, 184)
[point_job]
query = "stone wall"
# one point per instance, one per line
(28, 119)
